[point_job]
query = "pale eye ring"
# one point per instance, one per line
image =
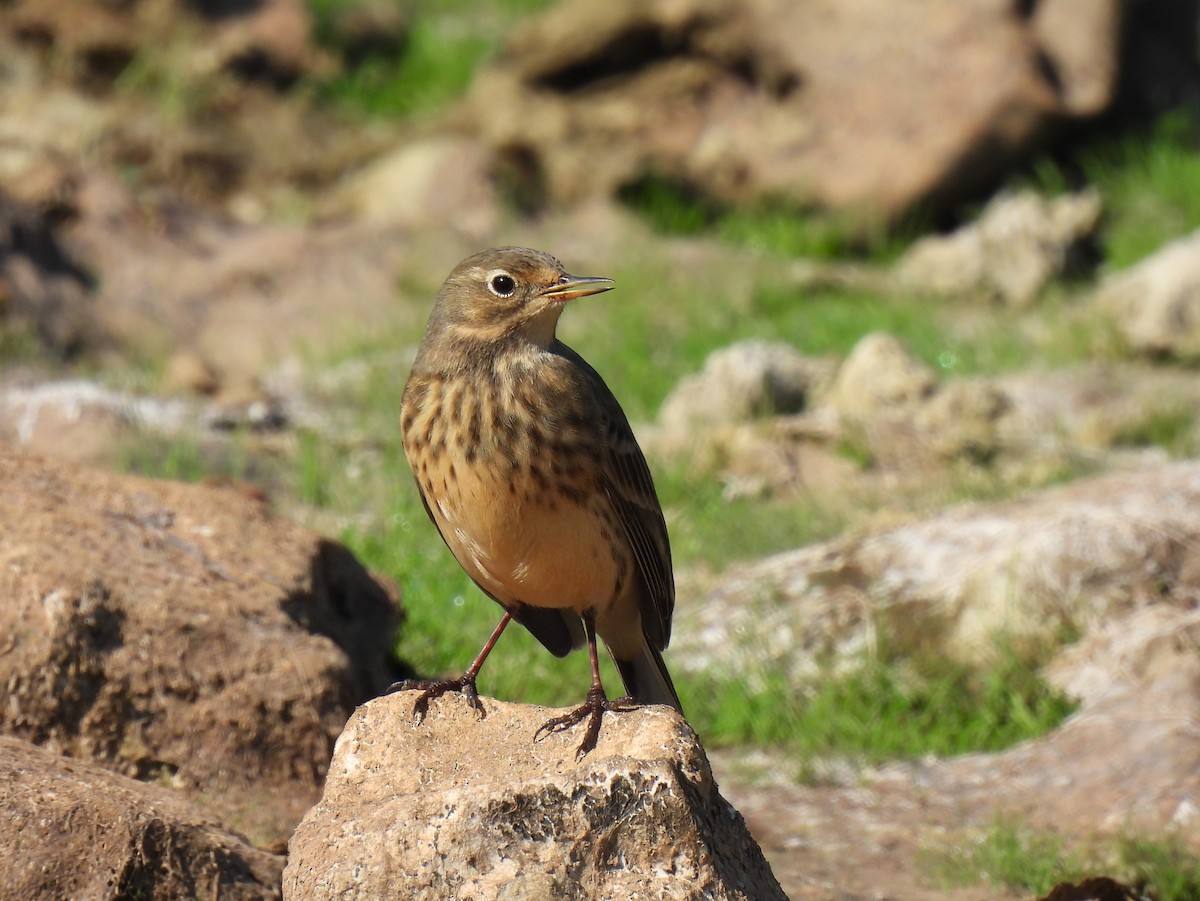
(502, 284)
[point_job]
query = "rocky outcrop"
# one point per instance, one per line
(183, 633)
(72, 830)
(473, 808)
(1061, 561)
(738, 384)
(269, 41)
(1126, 764)
(1019, 243)
(1156, 303)
(810, 103)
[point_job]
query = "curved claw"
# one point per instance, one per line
(431, 689)
(593, 709)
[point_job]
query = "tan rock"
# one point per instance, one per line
(69, 830)
(1019, 243)
(878, 375)
(188, 371)
(961, 420)
(437, 182)
(1156, 304)
(184, 633)
(1067, 559)
(855, 105)
(1126, 764)
(739, 383)
(475, 809)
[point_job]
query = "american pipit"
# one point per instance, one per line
(530, 471)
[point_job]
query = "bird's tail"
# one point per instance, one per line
(647, 680)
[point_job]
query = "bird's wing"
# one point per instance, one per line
(630, 490)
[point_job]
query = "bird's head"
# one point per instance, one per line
(508, 293)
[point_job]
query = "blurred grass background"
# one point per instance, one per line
(351, 478)
(355, 474)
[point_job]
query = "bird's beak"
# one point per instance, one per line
(569, 287)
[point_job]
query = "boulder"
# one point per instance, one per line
(1156, 303)
(183, 633)
(439, 182)
(83, 421)
(1126, 764)
(1018, 244)
(44, 292)
(879, 375)
(241, 295)
(1064, 560)
(268, 41)
(738, 384)
(474, 808)
(69, 829)
(855, 105)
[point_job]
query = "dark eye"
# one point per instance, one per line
(502, 285)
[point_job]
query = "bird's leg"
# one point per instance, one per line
(464, 684)
(594, 707)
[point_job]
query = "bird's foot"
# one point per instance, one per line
(593, 710)
(430, 689)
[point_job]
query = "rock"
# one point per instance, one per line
(183, 633)
(187, 371)
(1126, 764)
(805, 103)
(269, 42)
(438, 182)
(241, 296)
(473, 807)
(962, 421)
(878, 375)
(1069, 559)
(81, 421)
(1126, 654)
(69, 830)
(1156, 303)
(363, 29)
(739, 383)
(47, 291)
(1019, 244)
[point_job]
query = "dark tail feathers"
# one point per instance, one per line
(647, 680)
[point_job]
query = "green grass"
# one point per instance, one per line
(1172, 428)
(1008, 856)
(185, 459)
(1162, 869)
(1012, 856)
(880, 710)
(673, 208)
(1150, 184)
(707, 528)
(446, 42)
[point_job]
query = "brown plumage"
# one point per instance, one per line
(530, 471)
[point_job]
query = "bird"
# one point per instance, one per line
(529, 469)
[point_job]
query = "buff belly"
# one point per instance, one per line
(532, 546)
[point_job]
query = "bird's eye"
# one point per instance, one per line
(502, 285)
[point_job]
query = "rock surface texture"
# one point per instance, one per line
(475, 809)
(1064, 560)
(1156, 304)
(183, 633)
(824, 102)
(72, 830)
